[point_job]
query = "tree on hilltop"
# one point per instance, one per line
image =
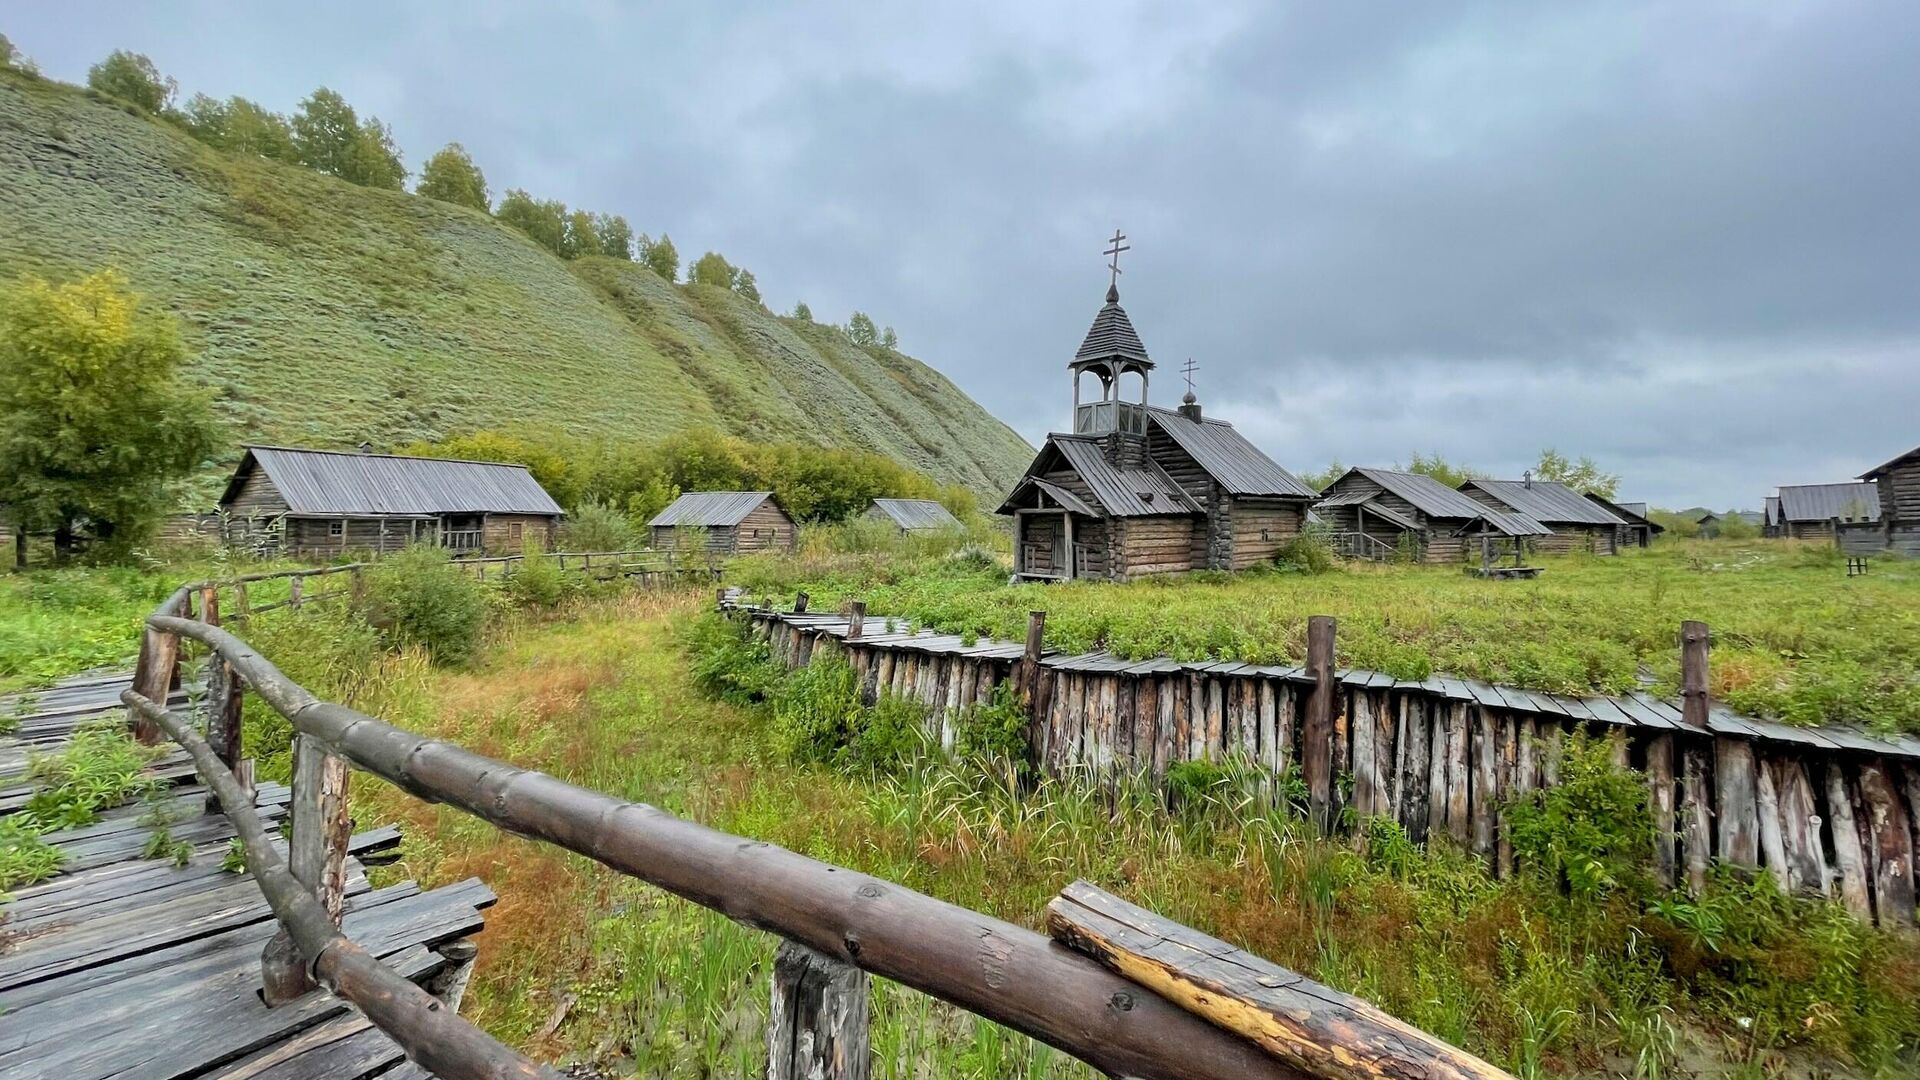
(240, 126)
(11, 58)
(889, 340)
(451, 176)
(132, 78)
(583, 236)
(331, 138)
(96, 425)
(743, 284)
(545, 223)
(861, 331)
(616, 236)
(660, 256)
(802, 312)
(712, 269)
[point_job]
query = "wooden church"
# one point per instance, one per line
(1138, 490)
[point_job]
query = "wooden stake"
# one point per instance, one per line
(1735, 794)
(1693, 674)
(817, 1028)
(1889, 846)
(1317, 737)
(856, 619)
(1660, 784)
(1849, 854)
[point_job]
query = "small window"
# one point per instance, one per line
(336, 529)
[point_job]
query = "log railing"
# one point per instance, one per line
(837, 925)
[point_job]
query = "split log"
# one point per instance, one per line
(1509, 763)
(1393, 726)
(1267, 709)
(1695, 816)
(1216, 719)
(817, 1028)
(1554, 739)
(1486, 782)
(1168, 734)
(1146, 722)
(1416, 782)
(1316, 738)
(1766, 808)
(1734, 792)
(1308, 1026)
(1800, 829)
(1366, 768)
(1185, 690)
(157, 670)
(1287, 706)
(1849, 853)
(1889, 846)
(1459, 782)
(1660, 780)
(1437, 744)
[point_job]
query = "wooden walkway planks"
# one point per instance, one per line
(130, 968)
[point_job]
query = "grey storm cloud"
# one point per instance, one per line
(1678, 237)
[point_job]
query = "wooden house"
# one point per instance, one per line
(329, 502)
(1377, 513)
(1639, 529)
(1135, 490)
(1771, 521)
(1897, 485)
(913, 515)
(1812, 511)
(730, 522)
(1575, 522)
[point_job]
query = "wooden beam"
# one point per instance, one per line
(1849, 854)
(1889, 846)
(1312, 1028)
(817, 1028)
(1660, 783)
(1734, 797)
(1316, 740)
(1693, 673)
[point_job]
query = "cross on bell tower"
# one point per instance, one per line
(1113, 262)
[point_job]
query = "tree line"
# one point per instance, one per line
(326, 134)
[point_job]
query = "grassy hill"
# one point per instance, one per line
(327, 313)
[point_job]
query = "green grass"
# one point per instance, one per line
(329, 313)
(1794, 637)
(1542, 982)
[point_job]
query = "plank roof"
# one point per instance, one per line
(1546, 501)
(1235, 464)
(1429, 496)
(1851, 501)
(1124, 492)
(1889, 466)
(916, 513)
(335, 482)
(1773, 510)
(713, 509)
(1112, 337)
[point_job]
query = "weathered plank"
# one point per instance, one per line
(1849, 850)
(817, 1027)
(1695, 815)
(1660, 784)
(1800, 829)
(1734, 794)
(1316, 740)
(1889, 846)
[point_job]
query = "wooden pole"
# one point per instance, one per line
(856, 620)
(1029, 671)
(817, 1028)
(995, 969)
(1316, 738)
(1693, 674)
(155, 671)
(432, 1035)
(296, 590)
(317, 855)
(800, 603)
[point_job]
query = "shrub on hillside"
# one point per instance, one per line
(419, 597)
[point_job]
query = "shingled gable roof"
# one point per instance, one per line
(1119, 491)
(1851, 501)
(1235, 464)
(1112, 337)
(1875, 472)
(1429, 496)
(331, 483)
(712, 509)
(1546, 501)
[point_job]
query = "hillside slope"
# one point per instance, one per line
(328, 313)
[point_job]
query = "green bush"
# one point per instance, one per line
(327, 648)
(419, 597)
(995, 732)
(1591, 833)
(537, 582)
(596, 525)
(726, 661)
(1309, 553)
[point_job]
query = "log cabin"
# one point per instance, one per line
(913, 515)
(1813, 511)
(1576, 524)
(1639, 529)
(331, 503)
(1384, 513)
(1897, 486)
(1135, 490)
(728, 522)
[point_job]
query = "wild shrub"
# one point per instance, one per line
(418, 597)
(818, 717)
(537, 582)
(726, 661)
(24, 857)
(597, 525)
(101, 766)
(1311, 552)
(1590, 833)
(994, 733)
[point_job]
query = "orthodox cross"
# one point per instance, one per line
(1113, 264)
(1188, 369)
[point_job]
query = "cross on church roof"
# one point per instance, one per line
(1113, 264)
(1188, 369)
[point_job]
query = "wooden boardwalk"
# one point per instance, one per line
(122, 966)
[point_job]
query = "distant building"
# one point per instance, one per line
(1897, 486)
(1639, 529)
(1576, 522)
(1136, 490)
(1711, 523)
(330, 502)
(913, 515)
(1771, 522)
(1811, 511)
(728, 522)
(1374, 513)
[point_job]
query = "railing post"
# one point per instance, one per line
(800, 603)
(817, 1028)
(1317, 732)
(856, 619)
(242, 610)
(156, 672)
(1029, 670)
(317, 856)
(225, 697)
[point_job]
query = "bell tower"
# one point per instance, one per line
(1111, 351)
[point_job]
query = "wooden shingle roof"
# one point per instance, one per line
(1546, 501)
(1851, 501)
(1429, 496)
(1235, 464)
(1125, 492)
(712, 509)
(331, 483)
(1112, 337)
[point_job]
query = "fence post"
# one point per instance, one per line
(800, 602)
(1029, 670)
(296, 590)
(225, 696)
(1317, 734)
(817, 1028)
(1693, 673)
(357, 587)
(156, 672)
(242, 610)
(856, 619)
(317, 856)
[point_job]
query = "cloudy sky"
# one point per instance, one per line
(1681, 238)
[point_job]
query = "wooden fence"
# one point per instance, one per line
(1115, 986)
(1830, 811)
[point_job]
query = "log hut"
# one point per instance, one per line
(1639, 529)
(1136, 490)
(330, 502)
(1897, 485)
(1575, 524)
(733, 522)
(1374, 513)
(913, 515)
(1815, 511)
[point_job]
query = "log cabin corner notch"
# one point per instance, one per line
(330, 502)
(1136, 490)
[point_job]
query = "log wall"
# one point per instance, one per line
(1826, 811)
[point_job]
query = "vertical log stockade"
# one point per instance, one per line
(1130, 1003)
(1828, 811)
